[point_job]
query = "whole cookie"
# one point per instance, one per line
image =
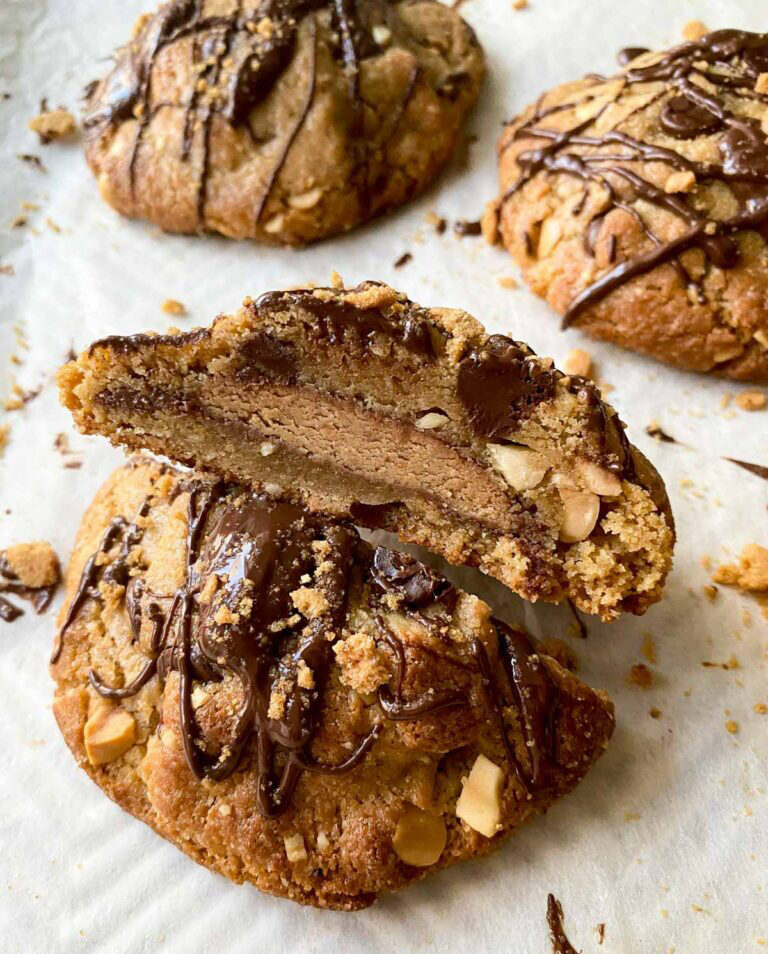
(638, 205)
(280, 120)
(293, 708)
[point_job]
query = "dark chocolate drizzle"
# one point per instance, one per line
(339, 321)
(560, 943)
(730, 60)
(39, 597)
(532, 693)
(502, 381)
(259, 551)
(240, 56)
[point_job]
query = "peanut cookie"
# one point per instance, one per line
(638, 205)
(280, 120)
(357, 402)
(293, 708)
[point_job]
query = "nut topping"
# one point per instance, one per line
(580, 512)
(108, 734)
(479, 804)
(598, 479)
(419, 837)
(521, 467)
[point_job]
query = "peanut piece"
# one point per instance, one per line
(580, 513)
(479, 804)
(598, 479)
(419, 837)
(521, 467)
(108, 734)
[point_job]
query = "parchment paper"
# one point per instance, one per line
(666, 841)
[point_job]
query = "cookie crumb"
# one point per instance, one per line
(654, 713)
(761, 708)
(641, 676)
(751, 572)
(34, 565)
(578, 362)
(649, 648)
(710, 592)
(310, 602)
(336, 280)
(5, 432)
(732, 726)
(507, 281)
(752, 401)
(52, 124)
(173, 307)
(695, 30)
(519, 4)
(682, 181)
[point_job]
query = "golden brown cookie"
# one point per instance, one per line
(294, 709)
(638, 205)
(358, 402)
(284, 120)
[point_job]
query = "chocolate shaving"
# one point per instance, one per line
(757, 469)
(560, 943)
(403, 260)
(462, 227)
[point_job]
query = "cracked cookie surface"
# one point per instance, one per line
(284, 120)
(293, 708)
(638, 205)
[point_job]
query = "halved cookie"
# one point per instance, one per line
(293, 708)
(360, 403)
(637, 205)
(283, 121)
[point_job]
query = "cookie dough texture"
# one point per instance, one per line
(637, 206)
(284, 121)
(359, 402)
(342, 839)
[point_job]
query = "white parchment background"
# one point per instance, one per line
(666, 841)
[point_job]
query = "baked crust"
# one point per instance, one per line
(284, 121)
(640, 215)
(331, 842)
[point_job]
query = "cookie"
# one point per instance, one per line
(359, 403)
(293, 708)
(284, 121)
(637, 206)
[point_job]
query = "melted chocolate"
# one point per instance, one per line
(40, 597)
(500, 383)
(415, 583)
(560, 943)
(259, 552)
(240, 64)
(730, 61)
(336, 320)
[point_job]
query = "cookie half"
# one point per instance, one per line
(638, 205)
(293, 708)
(283, 121)
(359, 403)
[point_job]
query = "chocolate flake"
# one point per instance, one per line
(32, 160)
(403, 260)
(560, 943)
(462, 227)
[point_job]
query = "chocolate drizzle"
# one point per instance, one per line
(502, 381)
(728, 60)
(233, 619)
(339, 321)
(40, 597)
(237, 58)
(533, 695)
